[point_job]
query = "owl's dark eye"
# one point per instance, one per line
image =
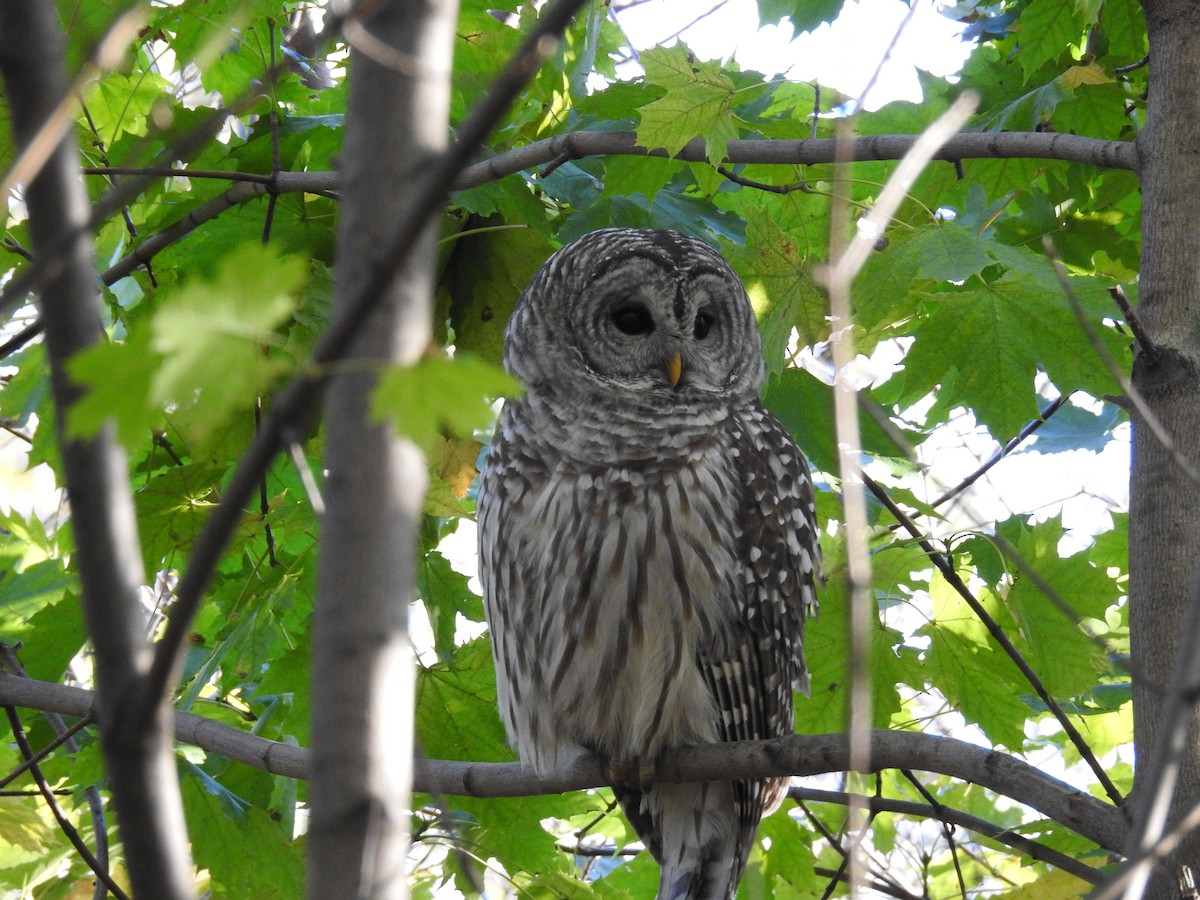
(704, 322)
(633, 319)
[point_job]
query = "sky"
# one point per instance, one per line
(844, 54)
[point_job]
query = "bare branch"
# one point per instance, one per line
(581, 144)
(1004, 451)
(798, 755)
(951, 816)
(138, 753)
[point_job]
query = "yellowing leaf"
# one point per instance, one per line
(1092, 73)
(455, 460)
(1054, 885)
(697, 103)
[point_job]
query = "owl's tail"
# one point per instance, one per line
(697, 832)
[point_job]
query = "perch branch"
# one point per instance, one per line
(1096, 820)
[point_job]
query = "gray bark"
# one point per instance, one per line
(1164, 540)
(140, 759)
(362, 659)
(797, 754)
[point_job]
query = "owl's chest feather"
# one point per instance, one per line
(633, 565)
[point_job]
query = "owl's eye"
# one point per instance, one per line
(634, 319)
(704, 322)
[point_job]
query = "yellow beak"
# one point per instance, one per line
(675, 370)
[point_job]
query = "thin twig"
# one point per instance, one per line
(21, 338)
(1141, 63)
(947, 570)
(1018, 842)
(889, 890)
(64, 823)
(1134, 321)
(729, 175)
(947, 828)
(47, 750)
(178, 172)
(1023, 435)
(1147, 414)
(887, 54)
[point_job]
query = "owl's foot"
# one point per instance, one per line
(635, 773)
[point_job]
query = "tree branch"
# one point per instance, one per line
(397, 120)
(138, 754)
(798, 755)
(581, 144)
(951, 816)
(947, 570)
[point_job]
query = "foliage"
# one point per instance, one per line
(961, 290)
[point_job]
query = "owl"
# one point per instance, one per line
(648, 539)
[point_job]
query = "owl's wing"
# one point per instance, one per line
(780, 544)
(753, 671)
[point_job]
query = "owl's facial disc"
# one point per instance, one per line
(653, 327)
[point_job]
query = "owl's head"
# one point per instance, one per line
(651, 315)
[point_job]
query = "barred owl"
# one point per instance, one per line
(648, 543)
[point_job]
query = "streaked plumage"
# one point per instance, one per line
(648, 543)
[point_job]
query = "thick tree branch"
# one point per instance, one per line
(796, 755)
(138, 754)
(362, 660)
(1164, 540)
(582, 144)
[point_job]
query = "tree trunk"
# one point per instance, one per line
(1164, 536)
(362, 659)
(139, 756)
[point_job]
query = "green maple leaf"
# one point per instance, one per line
(1064, 657)
(978, 679)
(783, 234)
(201, 352)
(211, 333)
(436, 395)
(697, 103)
(988, 342)
(1046, 28)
